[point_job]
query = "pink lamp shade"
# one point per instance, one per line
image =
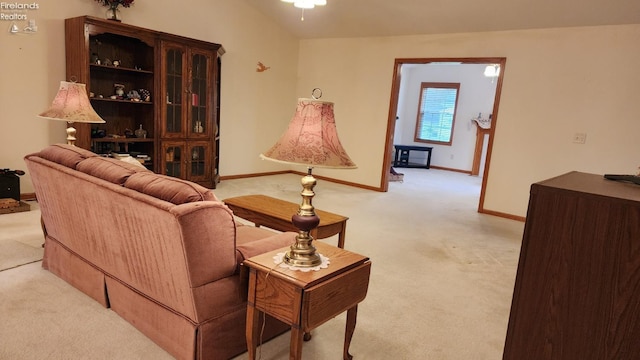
(311, 138)
(71, 104)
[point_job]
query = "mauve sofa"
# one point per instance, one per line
(161, 252)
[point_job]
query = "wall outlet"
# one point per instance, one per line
(580, 138)
(451, 156)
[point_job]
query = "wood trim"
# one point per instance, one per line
(393, 109)
(477, 153)
(337, 181)
(28, 196)
(360, 186)
(492, 132)
(387, 159)
(502, 215)
(244, 176)
(450, 169)
(424, 86)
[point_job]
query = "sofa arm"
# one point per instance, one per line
(246, 248)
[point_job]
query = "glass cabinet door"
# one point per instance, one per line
(199, 94)
(199, 161)
(173, 160)
(173, 82)
(188, 115)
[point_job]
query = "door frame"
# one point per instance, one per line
(393, 110)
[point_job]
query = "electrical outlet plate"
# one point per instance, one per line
(580, 138)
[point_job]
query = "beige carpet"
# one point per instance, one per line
(20, 242)
(441, 283)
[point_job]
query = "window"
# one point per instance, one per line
(437, 112)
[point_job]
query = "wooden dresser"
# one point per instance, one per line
(577, 290)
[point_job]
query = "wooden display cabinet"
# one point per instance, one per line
(105, 54)
(178, 80)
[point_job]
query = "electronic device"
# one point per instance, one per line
(627, 178)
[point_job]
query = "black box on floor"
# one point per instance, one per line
(9, 186)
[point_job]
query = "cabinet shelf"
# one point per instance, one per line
(122, 140)
(119, 68)
(123, 101)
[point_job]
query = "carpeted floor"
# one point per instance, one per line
(20, 242)
(441, 283)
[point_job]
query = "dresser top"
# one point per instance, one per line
(591, 184)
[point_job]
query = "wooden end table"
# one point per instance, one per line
(276, 214)
(305, 300)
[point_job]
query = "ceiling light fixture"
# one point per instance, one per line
(306, 4)
(492, 70)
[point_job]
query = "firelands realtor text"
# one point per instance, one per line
(15, 10)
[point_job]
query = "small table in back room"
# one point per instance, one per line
(402, 156)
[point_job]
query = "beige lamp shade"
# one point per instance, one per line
(311, 138)
(71, 104)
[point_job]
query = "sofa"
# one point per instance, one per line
(163, 253)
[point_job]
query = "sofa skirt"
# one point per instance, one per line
(74, 270)
(172, 332)
(219, 338)
(215, 339)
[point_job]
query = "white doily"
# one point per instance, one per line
(279, 259)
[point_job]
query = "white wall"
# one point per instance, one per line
(556, 82)
(255, 107)
(476, 96)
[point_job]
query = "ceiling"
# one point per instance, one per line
(372, 18)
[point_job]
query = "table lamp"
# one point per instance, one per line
(71, 104)
(310, 140)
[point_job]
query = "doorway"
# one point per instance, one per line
(395, 99)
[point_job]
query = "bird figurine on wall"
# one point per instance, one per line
(262, 68)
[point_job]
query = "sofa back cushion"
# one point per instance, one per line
(112, 170)
(67, 155)
(168, 188)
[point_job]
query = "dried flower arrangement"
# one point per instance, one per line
(115, 3)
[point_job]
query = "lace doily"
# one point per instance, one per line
(279, 259)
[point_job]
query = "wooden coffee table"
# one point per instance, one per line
(306, 300)
(276, 214)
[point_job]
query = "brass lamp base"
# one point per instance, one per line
(303, 253)
(294, 258)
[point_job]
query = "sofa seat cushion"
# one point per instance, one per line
(112, 170)
(168, 188)
(67, 155)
